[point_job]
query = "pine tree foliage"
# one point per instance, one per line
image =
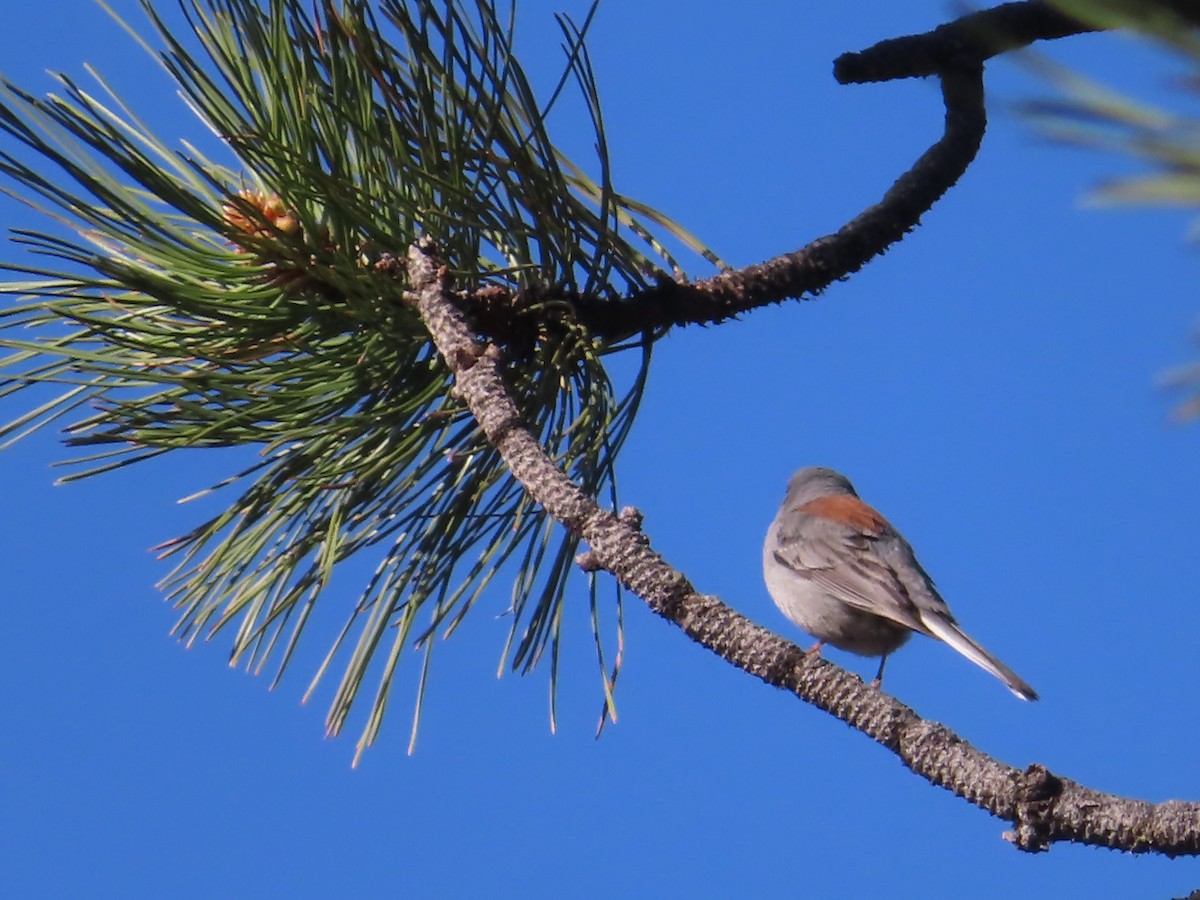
(179, 301)
(1095, 115)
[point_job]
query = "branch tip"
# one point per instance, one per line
(631, 516)
(588, 562)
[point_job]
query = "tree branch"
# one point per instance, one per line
(973, 38)
(1042, 807)
(955, 52)
(811, 269)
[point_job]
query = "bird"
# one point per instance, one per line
(838, 569)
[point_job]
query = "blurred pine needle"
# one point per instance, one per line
(1089, 114)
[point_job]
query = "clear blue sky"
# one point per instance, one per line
(990, 385)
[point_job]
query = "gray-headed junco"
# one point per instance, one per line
(836, 568)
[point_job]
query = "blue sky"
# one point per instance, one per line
(990, 385)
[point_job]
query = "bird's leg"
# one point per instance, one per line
(879, 675)
(815, 649)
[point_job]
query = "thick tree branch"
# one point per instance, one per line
(811, 269)
(973, 38)
(955, 52)
(1042, 807)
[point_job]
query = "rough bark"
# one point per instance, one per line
(1044, 808)
(955, 53)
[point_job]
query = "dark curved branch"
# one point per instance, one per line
(811, 269)
(1042, 807)
(973, 38)
(955, 52)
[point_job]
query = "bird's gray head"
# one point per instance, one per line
(814, 482)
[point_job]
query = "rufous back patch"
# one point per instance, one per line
(847, 510)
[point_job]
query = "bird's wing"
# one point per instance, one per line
(844, 545)
(850, 550)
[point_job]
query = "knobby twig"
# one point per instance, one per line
(1043, 807)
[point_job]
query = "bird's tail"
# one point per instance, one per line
(958, 639)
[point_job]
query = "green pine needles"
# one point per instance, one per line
(1166, 141)
(183, 303)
